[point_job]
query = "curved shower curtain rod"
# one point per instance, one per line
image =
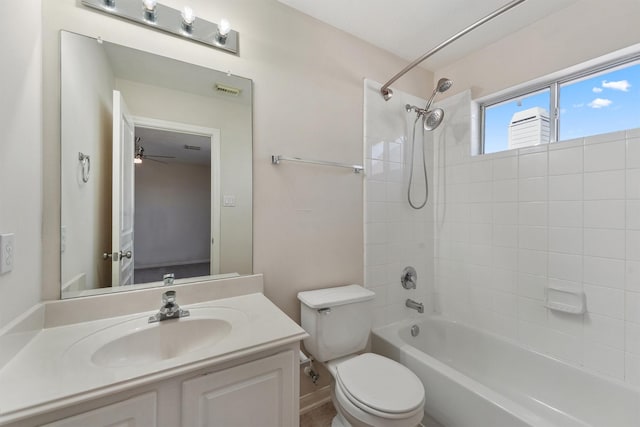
(388, 93)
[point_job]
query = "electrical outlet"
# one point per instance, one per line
(7, 254)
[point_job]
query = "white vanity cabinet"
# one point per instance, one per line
(134, 412)
(259, 393)
(258, 390)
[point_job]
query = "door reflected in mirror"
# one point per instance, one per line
(168, 195)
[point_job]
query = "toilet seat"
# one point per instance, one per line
(379, 386)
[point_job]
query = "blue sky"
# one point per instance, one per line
(605, 103)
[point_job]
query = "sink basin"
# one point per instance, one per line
(137, 342)
(161, 341)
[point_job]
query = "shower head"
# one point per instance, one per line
(443, 85)
(432, 119)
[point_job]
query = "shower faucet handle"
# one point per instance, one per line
(409, 278)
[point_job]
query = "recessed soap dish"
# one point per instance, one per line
(566, 300)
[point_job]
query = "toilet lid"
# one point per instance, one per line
(380, 383)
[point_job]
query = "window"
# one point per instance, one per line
(594, 101)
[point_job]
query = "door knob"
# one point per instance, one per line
(115, 256)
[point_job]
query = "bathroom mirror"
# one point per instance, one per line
(156, 170)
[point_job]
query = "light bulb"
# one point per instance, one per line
(224, 27)
(188, 16)
(150, 5)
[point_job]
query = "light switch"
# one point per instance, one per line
(6, 253)
(229, 200)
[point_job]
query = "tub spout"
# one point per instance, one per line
(419, 307)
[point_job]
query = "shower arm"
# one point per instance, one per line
(388, 93)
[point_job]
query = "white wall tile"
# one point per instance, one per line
(505, 168)
(633, 184)
(532, 238)
(565, 266)
(566, 214)
(633, 245)
(632, 307)
(532, 310)
(532, 287)
(532, 189)
(605, 137)
(605, 360)
(632, 369)
(632, 338)
(505, 258)
(566, 161)
(633, 214)
(605, 301)
(604, 272)
(505, 190)
(532, 213)
(604, 330)
(632, 276)
(633, 153)
(604, 213)
(532, 262)
(376, 191)
(605, 156)
(504, 280)
(604, 185)
(604, 243)
(532, 165)
(481, 170)
(505, 213)
(565, 240)
(505, 235)
(565, 187)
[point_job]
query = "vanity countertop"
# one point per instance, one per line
(53, 370)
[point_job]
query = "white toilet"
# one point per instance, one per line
(368, 389)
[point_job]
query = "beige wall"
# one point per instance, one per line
(308, 221)
(21, 152)
(581, 32)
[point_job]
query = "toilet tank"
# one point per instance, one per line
(338, 320)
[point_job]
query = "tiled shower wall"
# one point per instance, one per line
(507, 225)
(396, 235)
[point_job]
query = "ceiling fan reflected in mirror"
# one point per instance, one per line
(140, 155)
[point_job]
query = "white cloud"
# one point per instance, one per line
(578, 105)
(622, 85)
(600, 103)
(597, 89)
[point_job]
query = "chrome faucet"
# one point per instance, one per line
(169, 309)
(419, 307)
(168, 279)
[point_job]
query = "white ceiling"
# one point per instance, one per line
(410, 28)
(171, 145)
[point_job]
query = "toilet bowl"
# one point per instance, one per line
(367, 389)
(372, 390)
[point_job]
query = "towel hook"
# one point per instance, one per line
(85, 162)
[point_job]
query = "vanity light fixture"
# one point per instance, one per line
(150, 10)
(223, 31)
(182, 23)
(188, 18)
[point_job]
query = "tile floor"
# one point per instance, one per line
(318, 417)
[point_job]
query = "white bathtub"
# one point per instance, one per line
(477, 379)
